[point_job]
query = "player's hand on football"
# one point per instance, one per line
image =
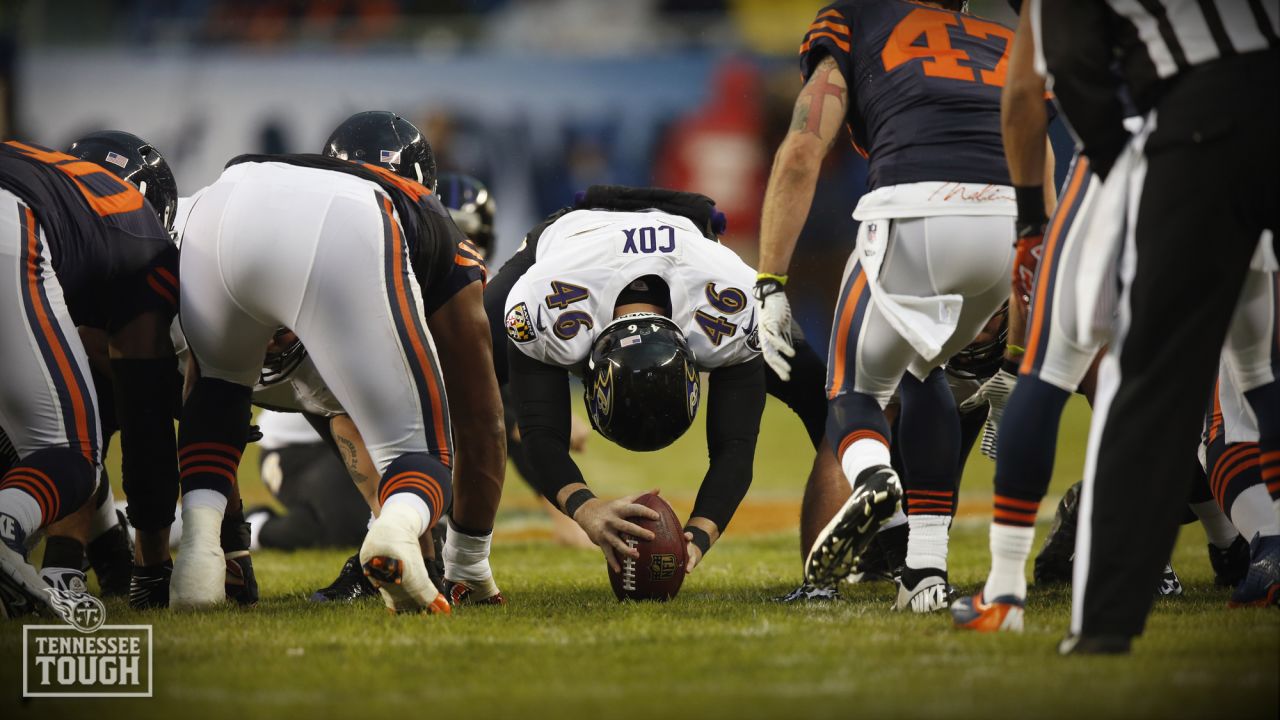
(607, 521)
(994, 392)
(775, 325)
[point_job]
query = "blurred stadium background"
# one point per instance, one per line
(537, 98)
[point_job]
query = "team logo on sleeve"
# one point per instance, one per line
(692, 388)
(519, 328)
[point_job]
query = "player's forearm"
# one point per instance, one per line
(734, 407)
(787, 200)
(480, 439)
(1024, 118)
(541, 396)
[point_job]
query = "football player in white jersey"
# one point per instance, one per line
(631, 290)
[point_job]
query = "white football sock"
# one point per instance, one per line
(1010, 546)
(927, 541)
(408, 502)
(205, 499)
(466, 557)
(23, 508)
(1217, 526)
(1253, 514)
(862, 454)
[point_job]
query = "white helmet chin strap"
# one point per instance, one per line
(417, 169)
(142, 187)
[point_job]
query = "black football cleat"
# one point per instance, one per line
(149, 586)
(241, 584)
(1053, 565)
(807, 593)
(1230, 564)
(884, 558)
(838, 548)
(1169, 585)
(1261, 587)
(111, 558)
(350, 585)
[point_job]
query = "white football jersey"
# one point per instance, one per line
(586, 258)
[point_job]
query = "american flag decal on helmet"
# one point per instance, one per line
(117, 159)
(391, 157)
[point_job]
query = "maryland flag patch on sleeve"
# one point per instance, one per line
(519, 327)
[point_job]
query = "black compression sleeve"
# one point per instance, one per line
(541, 396)
(149, 457)
(734, 406)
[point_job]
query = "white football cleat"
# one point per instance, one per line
(924, 591)
(392, 560)
(199, 573)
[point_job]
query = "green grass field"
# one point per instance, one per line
(564, 648)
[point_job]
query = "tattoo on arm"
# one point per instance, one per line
(807, 117)
(352, 458)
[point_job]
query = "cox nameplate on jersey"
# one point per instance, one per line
(85, 657)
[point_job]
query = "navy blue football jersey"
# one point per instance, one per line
(924, 86)
(113, 258)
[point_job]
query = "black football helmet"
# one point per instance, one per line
(471, 205)
(131, 158)
(641, 386)
(379, 137)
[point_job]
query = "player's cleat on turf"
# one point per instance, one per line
(350, 585)
(807, 593)
(841, 543)
(1095, 645)
(199, 574)
(1261, 586)
(884, 558)
(924, 591)
(1003, 614)
(392, 560)
(65, 579)
(111, 557)
(474, 593)
(1053, 564)
(240, 584)
(21, 588)
(1230, 564)
(1169, 585)
(149, 586)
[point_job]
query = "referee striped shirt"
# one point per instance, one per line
(1179, 34)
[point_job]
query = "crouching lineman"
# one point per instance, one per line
(631, 289)
(81, 247)
(933, 253)
(341, 253)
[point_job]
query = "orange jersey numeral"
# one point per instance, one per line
(125, 197)
(941, 59)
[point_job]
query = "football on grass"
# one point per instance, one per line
(659, 571)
